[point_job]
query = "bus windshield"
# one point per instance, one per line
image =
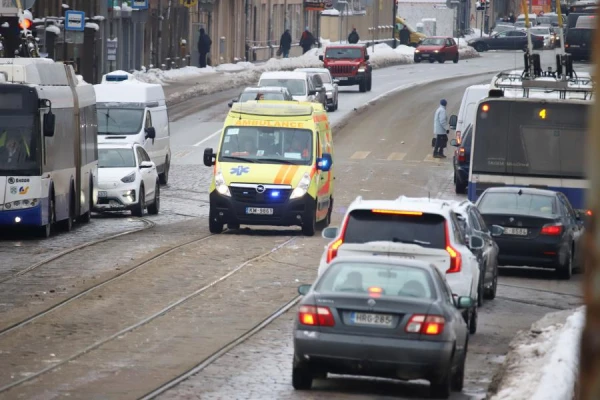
(530, 138)
(18, 145)
(120, 121)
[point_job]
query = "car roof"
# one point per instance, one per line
(344, 46)
(523, 190)
(403, 203)
(266, 89)
(397, 261)
(283, 75)
(325, 70)
(439, 37)
(119, 145)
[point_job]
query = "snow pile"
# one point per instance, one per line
(156, 75)
(381, 55)
(546, 358)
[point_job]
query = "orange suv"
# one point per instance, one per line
(437, 49)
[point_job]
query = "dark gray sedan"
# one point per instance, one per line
(383, 317)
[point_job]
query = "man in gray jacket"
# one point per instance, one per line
(440, 130)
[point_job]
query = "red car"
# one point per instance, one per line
(438, 49)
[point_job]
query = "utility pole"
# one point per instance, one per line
(159, 55)
(395, 11)
(247, 31)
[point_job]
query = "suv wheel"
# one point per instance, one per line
(460, 188)
(473, 320)
(362, 86)
(369, 83)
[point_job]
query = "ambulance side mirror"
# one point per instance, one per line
(324, 163)
(209, 157)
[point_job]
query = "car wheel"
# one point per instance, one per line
(431, 60)
(480, 289)
(233, 226)
(460, 188)
(455, 61)
(525, 49)
(442, 58)
(480, 47)
(417, 60)
(214, 225)
(164, 177)
(45, 231)
(473, 321)
(309, 222)
(458, 379)
(301, 378)
(138, 209)
(336, 104)
(362, 86)
(442, 388)
(490, 294)
(154, 208)
(565, 271)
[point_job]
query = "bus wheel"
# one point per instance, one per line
(87, 217)
(45, 231)
(67, 224)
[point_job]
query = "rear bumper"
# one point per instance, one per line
(288, 213)
(542, 253)
(371, 356)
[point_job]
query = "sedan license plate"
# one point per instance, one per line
(371, 319)
(102, 194)
(259, 211)
(515, 231)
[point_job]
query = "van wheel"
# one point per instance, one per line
(45, 231)
(164, 177)
(309, 222)
(327, 221)
(214, 225)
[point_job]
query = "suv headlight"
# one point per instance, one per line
(302, 187)
(361, 69)
(220, 184)
(129, 178)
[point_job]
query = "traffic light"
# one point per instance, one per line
(482, 5)
(26, 20)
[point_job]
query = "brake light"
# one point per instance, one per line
(418, 213)
(461, 155)
(425, 324)
(455, 258)
(375, 291)
(333, 247)
(552, 229)
(315, 316)
(588, 212)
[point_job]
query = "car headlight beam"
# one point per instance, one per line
(302, 187)
(220, 184)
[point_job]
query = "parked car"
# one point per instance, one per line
(473, 224)
(437, 49)
(331, 85)
(349, 64)
(503, 28)
(269, 93)
(540, 228)
(302, 86)
(127, 179)
(509, 40)
(414, 228)
(399, 314)
(461, 160)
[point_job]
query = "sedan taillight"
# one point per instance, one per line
(425, 324)
(552, 229)
(315, 316)
(461, 155)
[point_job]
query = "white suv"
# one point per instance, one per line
(413, 228)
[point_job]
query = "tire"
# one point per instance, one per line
(362, 86)
(44, 232)
(442, 58)
(480, 290)
(370, 85)
(525, 48)
(490, 294)
(473, 321)
(138, 209)
(455, 61)
(417, 60)
(301, 378)
(67, 224)
(309, 222)
(214, 225)
(565, 271)
(164, 177)
(443, 388)
(458, 379)
(336, 104)
(154, 208)
(460, 188)
(431, 60)
(480, 47)
(87, 217)
(327, 221)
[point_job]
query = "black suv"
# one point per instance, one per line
(578, 43)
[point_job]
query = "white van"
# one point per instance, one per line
(301, 85)
(130, 111)
(468, 106)
(520, 23)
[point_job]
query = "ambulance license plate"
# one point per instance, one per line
(259, 211)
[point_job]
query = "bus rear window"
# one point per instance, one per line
(427, 230)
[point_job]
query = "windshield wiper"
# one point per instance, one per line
(240, 159)
(413, 241)
(277, 160)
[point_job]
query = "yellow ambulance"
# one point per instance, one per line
(272, 167)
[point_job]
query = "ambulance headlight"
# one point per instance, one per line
(302, 187)
(220, 184)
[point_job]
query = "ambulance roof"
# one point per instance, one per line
(129, 92)
(273, 108)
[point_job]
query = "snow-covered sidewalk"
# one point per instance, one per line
(543, 362)
(202, 81)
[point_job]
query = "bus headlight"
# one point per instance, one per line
(302, 187)
(20, 204)
(220, 184)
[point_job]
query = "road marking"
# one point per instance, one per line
(212, 135)
(430, 158)
(182, 154)
(360, 155)
(396, 156)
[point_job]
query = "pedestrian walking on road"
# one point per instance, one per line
(285, 43)
(440, 130)
(306, 40)
(404, 36)
(204, 44)
(353, 36)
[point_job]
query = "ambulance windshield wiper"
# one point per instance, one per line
(240, 159)
(277, 161)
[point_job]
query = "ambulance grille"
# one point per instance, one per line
(269, 196)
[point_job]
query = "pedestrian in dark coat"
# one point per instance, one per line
(285, 43)
(204, 44)
(353, 36)
(306, 40)
(404, 36)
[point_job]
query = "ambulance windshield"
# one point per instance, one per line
(269, 145)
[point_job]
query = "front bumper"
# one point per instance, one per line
(541, 252)
(122, 198)
(285, 213)
(371, 356)
(427, 56)
(346, 80)
(24, 217)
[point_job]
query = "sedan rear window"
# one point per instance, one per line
(385, 280)
(502, 203)
(427, 230)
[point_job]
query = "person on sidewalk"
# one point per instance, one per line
(353, 36)
(306, 40)
(440, 130)
(285, 43)
(204, 44)
(404, 36)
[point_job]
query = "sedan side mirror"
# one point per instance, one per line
(209, 157)
(497, 230)
(321, 58)
(476, 243)
(324, 163)
(329, 232)
(146, 164)
(150, 133)
(464, 302)
(454, 142)
(453, 121)
(303, 289)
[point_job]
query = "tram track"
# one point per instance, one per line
(540, 290)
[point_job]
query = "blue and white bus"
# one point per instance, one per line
(48, 146)
(533, 140)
